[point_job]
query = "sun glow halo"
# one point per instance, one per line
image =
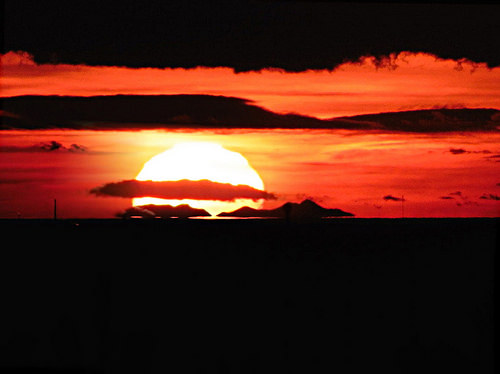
(197, 161)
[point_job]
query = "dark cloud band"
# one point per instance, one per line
(294, 36)
(130, 112)
(183, 189)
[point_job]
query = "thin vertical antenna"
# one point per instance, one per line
(55, 209)
(402, 206)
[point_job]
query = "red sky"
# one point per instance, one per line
(452, 174)
(349, 170)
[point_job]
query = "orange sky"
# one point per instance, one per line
(349, 170)
(407, 81)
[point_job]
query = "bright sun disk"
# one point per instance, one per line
(197, 161)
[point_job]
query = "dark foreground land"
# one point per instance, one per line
(249, 296)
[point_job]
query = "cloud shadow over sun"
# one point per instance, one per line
(183, 189)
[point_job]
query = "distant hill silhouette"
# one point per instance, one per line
(122, 112)
(305, 210)
(163, 211)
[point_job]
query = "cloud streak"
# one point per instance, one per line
(460, 199)
(50, 146)
(489, 196)
(495, 158)
(183, 189)
(438, 120)
(460, 151)
(393, 198)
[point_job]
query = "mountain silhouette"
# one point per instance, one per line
(307, 209)
(163, 211)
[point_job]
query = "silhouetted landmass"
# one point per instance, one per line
(122, 112)
(163, 211)
(305, 210)
(248, 296)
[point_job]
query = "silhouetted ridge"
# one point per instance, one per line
(163, 211)
(307, 209)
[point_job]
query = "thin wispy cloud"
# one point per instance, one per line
(461, 151)
(489, 196)
(49, 146)
(393, 198)
(459, 199)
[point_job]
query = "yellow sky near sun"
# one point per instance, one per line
(200, 161)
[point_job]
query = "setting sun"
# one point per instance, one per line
(254, 186)
(197, 161)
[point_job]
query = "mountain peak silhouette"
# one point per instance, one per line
(163, 211)
(307, 209)
(310, 204)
